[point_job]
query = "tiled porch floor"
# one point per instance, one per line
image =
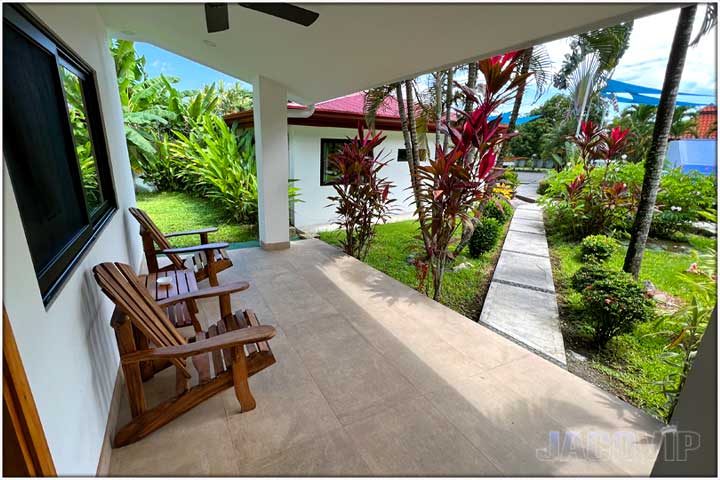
(373, 378)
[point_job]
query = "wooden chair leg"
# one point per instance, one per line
(240, 380)
(211, 268)
(149, 248)
(133, 376)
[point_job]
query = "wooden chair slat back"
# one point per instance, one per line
(149, 226)
(121, 285)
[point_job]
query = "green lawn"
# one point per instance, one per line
(630, 364)
(174, 212)
(394, 242)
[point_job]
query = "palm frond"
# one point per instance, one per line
(374, 99)
(541, 66)
(709, 22)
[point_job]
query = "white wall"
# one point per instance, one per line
(69, 350)
(304, 147)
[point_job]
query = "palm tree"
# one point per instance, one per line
(658, 147)
(537, 62)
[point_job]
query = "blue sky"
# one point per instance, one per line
(643, 63)
(192, 75)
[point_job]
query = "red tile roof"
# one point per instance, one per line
(355, 103)
(706, 124)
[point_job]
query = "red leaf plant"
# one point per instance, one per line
(362, 196)
(452, 183)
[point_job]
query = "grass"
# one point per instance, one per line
(175, 211)
(630, 363)
(394, 242)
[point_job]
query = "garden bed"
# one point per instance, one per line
(463, 290)
(175, 211)
(630, 364)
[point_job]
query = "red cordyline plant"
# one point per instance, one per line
(452, 183)
(597, 205)
(362, 196)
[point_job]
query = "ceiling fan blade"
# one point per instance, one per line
(216, 17)
(286, 11)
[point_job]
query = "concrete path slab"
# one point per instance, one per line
(521, 302)
(525, 270)
(528, 243)
(525, 315)
(528, 226)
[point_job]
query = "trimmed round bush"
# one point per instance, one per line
(593, 272)
(613, 306)
(597, 248)
(485, 236)
(500, 210)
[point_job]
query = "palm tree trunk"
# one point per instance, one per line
(471, 84)
(524, 69)
(438, 105)
(448, 104)
(658, 148)
(407, 123)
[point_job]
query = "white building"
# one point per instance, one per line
(312, 138)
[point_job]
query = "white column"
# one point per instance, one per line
(271, 153)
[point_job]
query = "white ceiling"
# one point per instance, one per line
(352, 47)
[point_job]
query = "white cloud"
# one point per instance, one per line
(645, 60)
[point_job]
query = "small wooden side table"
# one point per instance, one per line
(181, 314)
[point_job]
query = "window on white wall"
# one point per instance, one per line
(402, 155)
(328, 146)
(54, 147)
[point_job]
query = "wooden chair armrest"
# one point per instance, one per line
(197, 248)
(205, 293)
(192, 232)
(234, 338)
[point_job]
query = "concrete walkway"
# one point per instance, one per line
(521, 302)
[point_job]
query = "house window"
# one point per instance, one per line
(54, 147)
(402, 155)
(328, 146)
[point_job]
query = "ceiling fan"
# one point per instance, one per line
(216, 14)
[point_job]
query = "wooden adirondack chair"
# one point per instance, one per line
(236, 348)
(208, 258)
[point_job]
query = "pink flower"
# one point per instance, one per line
(693, 268)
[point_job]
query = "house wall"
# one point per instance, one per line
(68, 349)
(304, 146)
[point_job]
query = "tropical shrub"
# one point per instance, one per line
(485, 236)
(686, 327)
(499, 209)
(669, 224)
(161, 168)
(586, 199)
(613, 306)
(218, 168)
(592, 272)
(681, 199)
(597, 248)
(361, 194)
(510, 177)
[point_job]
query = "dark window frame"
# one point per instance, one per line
(325, 163)
(54, 275)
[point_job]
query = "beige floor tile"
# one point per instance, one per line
(290, 409)
(353, 376)
(516, 435)
(332, 454)
(412, 438)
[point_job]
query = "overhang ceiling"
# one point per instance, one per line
(352, 47)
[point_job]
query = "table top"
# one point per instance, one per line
(181, 281)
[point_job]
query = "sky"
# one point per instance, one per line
(643, 63)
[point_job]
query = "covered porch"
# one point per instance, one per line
(373, 378)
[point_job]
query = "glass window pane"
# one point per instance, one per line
(81, 135)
